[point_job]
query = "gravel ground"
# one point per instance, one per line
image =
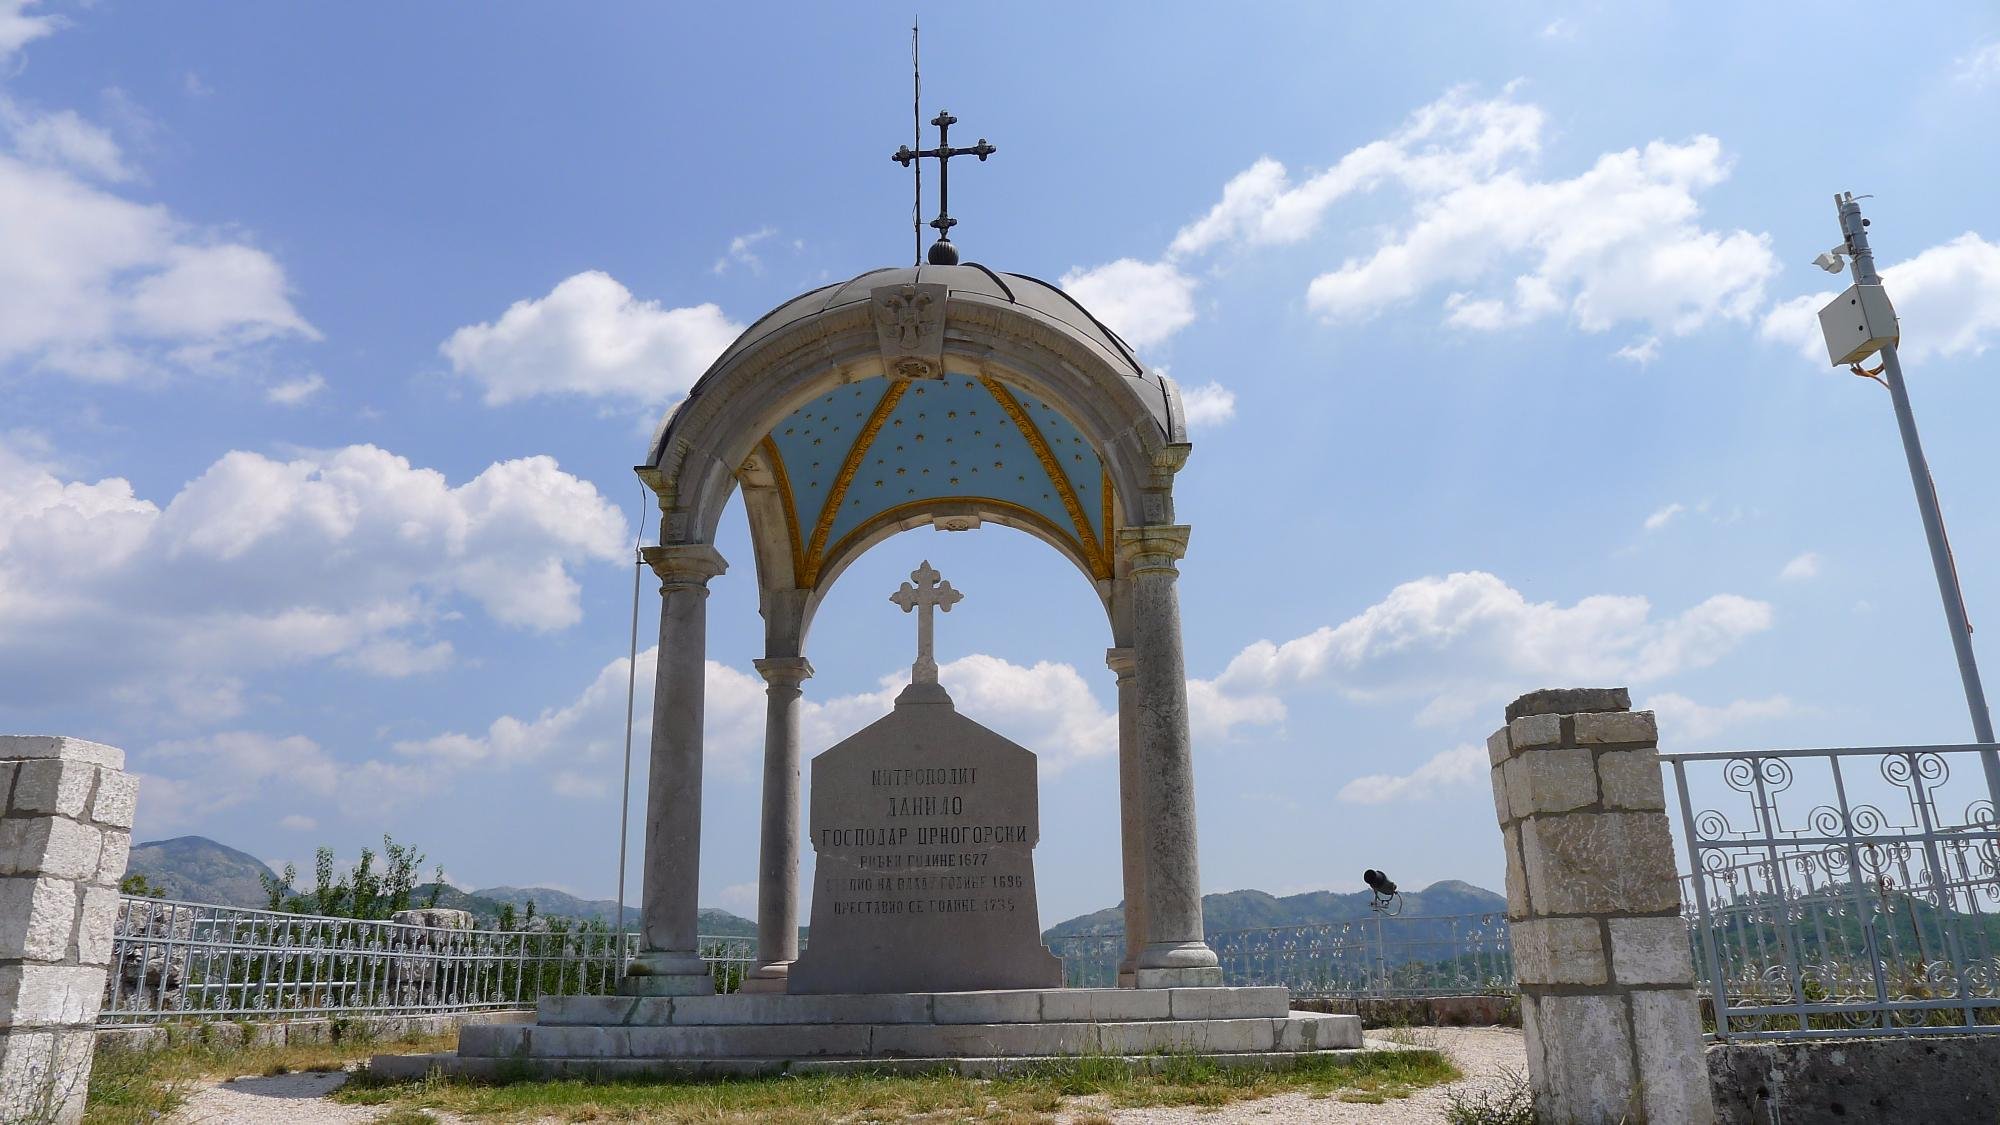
(286, 1099)
(1481, 1052)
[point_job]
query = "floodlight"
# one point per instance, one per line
(1831, 261)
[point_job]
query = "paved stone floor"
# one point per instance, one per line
(1483, 1053)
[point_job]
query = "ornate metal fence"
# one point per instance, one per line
(1405, 955)
(1846, 891)
(174, 959)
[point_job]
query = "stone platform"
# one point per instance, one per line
(974, 1033)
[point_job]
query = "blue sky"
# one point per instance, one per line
(332, 334)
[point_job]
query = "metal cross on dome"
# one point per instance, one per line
(942, 252)
(930, 590)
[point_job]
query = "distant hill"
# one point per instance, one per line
(556, 902)
(197, 869)
(1248, 910)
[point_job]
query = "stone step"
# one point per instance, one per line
(1057, 1005)
(1296, 1031)
(406, 1067)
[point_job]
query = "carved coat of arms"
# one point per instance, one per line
(909, 327)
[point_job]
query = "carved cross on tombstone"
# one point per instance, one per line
(930, 590)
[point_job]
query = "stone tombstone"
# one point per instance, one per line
(924, 824)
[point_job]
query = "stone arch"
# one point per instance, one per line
(947, 395)
(1020, 339)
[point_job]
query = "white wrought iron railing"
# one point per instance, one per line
(1410, 955)
(181, 959)
(1843, 892)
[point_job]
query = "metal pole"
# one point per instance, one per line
(631, 693)
(1856, 232)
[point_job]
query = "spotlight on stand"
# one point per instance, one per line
(1386, 900)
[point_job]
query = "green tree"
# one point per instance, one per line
(135, 884)
(277, 888)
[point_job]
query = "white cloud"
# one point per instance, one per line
(1048, 707)
(1980, 67)
(18, 28)
(295, 392)
(1620, 242)
(739, 899)
(296, 822)
(352, 555)
(1559, 28)
(1617, 243)
(227, 769)
(62, 139)
(1457, 766)
(1454, 142)
(742, 251)
(1210, 404)
(1947, 302)
(1682, 720)
(590, 336)
(570, 783)
(1466, 640)
(1642, 352)
(104, 288)
(1144, 302)
(1801, 568)
(1664, 516)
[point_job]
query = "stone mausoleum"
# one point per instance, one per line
(946, 396)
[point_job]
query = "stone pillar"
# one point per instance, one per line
(669, 962)
(64, 836)
(778, 853)
(1131, 811)
(1175, 954)
(1593, 901)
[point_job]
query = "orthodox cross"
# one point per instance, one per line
(929, 591)
(943, 253)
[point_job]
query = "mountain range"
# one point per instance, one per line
(1249, 910)
(197, 869)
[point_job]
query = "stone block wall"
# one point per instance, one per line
(1593, 902)
(65, 832)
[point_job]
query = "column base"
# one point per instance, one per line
(774, 977)
(1176, 955)
(1128, 978)
(1204, 976)
(665, 972)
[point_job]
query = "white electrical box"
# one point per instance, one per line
(1859, 323)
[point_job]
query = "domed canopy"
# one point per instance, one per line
(943, 395)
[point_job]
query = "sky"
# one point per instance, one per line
(330, 336)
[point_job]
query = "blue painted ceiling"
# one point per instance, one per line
(877, 447)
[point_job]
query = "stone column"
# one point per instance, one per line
(1593, 901)
(669, 962)
(1131, 811)
(1174, 954)
(778, 853)
(64, 835)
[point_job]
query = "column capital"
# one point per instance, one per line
(1123, 661)
(1153, 546)
(784, 671)
(685, 564)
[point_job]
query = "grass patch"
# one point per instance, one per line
(1033, 1096)
(133, 1087)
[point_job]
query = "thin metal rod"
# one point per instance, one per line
(917, 141)
(631, 692)
(1855, 231)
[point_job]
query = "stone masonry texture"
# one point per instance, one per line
(65, 830)
(1593, 902)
